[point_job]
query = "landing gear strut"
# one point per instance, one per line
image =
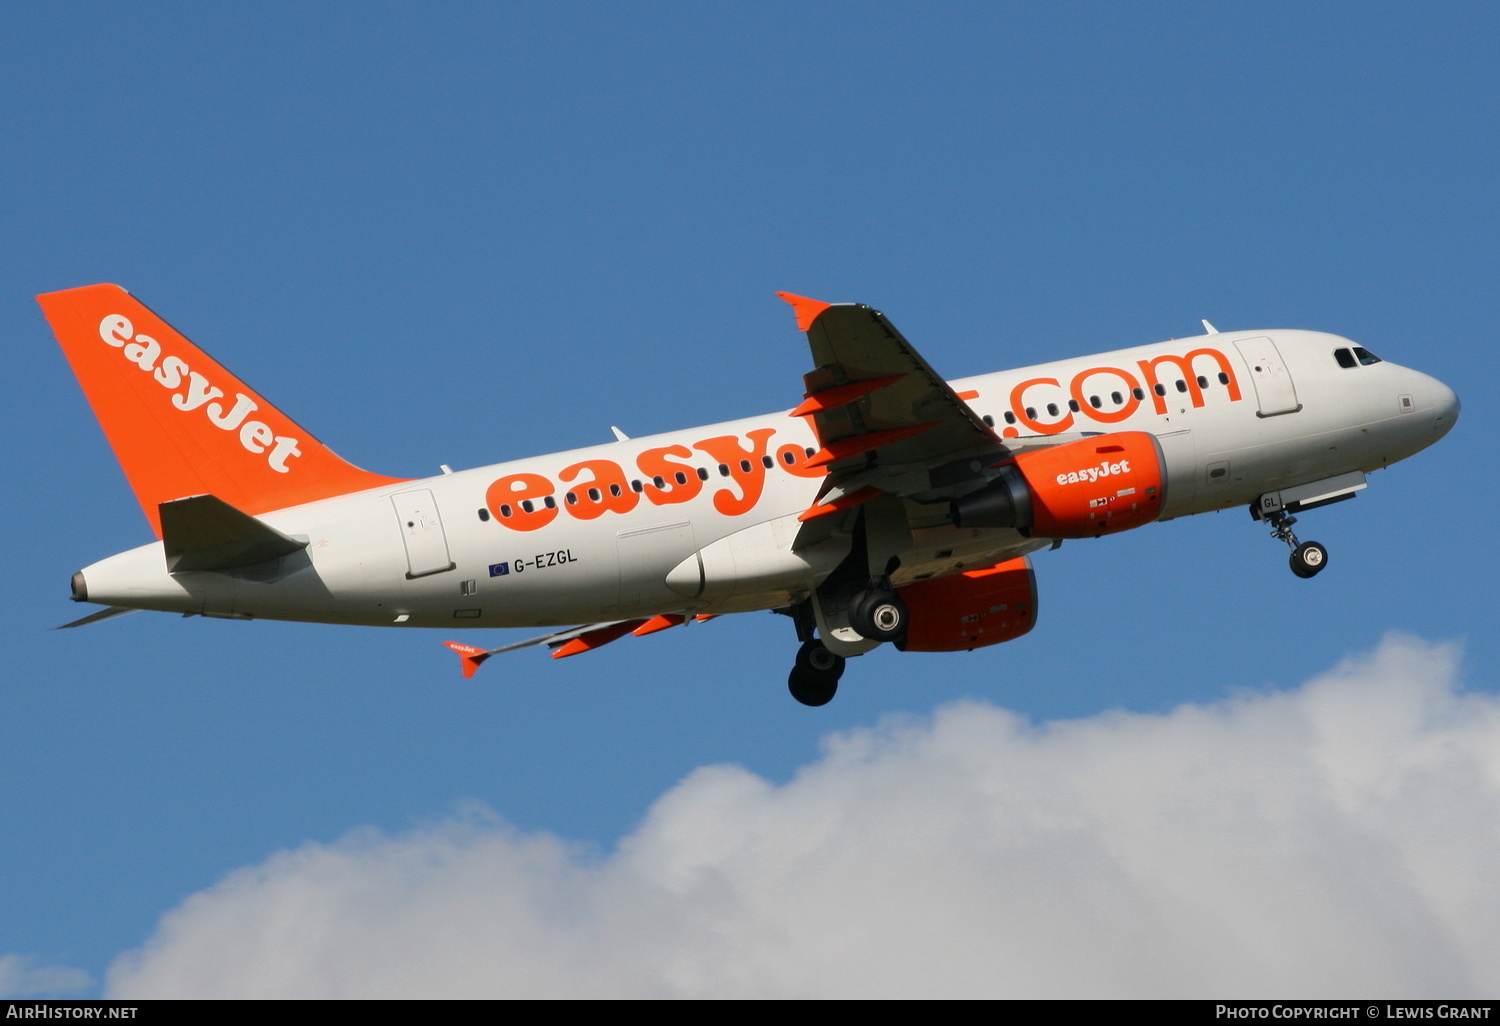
(814, 680)
(1307, 557)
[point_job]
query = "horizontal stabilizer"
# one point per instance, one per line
(469, 657)
(103, 614)
(206, 533)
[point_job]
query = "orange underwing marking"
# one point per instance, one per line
(843, 502)
(469, 657)
(596, 638)
(659, 622)
(972, 393)
(842, 395)
(856, 444)
(704, 616)
(807, 310)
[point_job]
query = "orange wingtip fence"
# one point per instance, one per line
(807, 310)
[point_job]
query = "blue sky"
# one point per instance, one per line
(467, 233)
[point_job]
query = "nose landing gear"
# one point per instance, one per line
(1308, 558)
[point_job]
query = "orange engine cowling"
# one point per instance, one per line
(970, 610)
(1080, 489)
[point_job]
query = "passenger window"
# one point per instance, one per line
(1031, 413)
(744, 466)
(767, 462)
(571, 498)
(723, 470)
(1223, 378)
(680, 477)
(809, 450)
(1161, 389)
(1117, 398)
(549, 502)
(1182, 386)
(1010, 418)
(1365, 356)
(527, 506)
(988, 420)
(1073, 405)
(1095, 402)
(1344, 357)
(594, 495)
(614, 490)
(1202, 381)
(788, 458)
(1139, 393)
(636, 485)
(702, 474)
(659, 481)
(505, 509)
(484, 515)
(1051, 409)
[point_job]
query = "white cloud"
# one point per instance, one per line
(1336, 840)
(21, 978)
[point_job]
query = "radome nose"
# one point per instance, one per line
(1445, 406)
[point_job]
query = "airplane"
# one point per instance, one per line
(887, 506)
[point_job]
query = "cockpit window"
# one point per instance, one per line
(1344, 357)
(1365, 356)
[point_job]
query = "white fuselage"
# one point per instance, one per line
(1243, 416)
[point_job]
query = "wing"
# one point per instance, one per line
(873, 399)
(886, 422)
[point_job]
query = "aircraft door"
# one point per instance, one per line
(1273, 382)
(422, 531)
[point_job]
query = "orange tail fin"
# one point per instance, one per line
(179, 423)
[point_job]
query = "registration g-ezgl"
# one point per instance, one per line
(888, 506)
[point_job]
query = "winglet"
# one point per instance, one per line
(807, 310)
(469, 657)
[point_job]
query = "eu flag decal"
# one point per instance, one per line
(499, 569)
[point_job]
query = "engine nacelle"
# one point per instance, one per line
(970, 610)
(1080, 489)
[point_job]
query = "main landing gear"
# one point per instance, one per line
(1308, 558)
(878, 613)
(874, 614)
(815, 677)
